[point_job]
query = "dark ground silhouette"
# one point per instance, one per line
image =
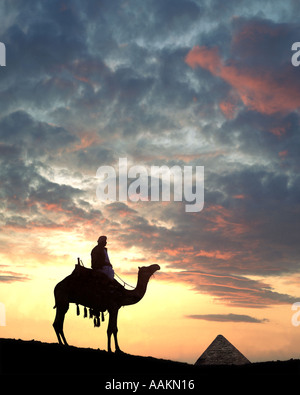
(18, 357)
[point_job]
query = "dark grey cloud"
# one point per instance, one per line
(227, 318)
(20, 129)
(10, 279)
(248, 225)
(89, 82)
(231, 290)
(7, 276)
(261, 42)
(29, 198)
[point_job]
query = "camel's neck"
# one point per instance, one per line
(134, 296)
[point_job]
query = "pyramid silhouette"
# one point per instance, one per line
(222, 352)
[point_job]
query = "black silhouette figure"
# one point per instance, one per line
(87, 288)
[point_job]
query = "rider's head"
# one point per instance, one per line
(102, 241)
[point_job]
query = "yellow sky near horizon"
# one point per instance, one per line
(157, 326)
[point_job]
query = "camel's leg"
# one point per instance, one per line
(113, 329)
(59, 323)
(116, 341)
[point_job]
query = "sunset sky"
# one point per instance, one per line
(159, 82)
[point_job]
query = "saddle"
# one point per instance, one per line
(85, 274)
(89, 279)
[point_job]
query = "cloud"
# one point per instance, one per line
(258, 90)
(227, 318)
(231, 290)
(37, 139)
(259, 85)
(12, 278)
(84, 87)
(7, 276)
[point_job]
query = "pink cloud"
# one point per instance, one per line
(241, 196)
(283, 154)
(222, 220)
(259, 89)
(228, 108)
(224, 255)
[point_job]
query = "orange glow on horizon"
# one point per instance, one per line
(157, 325)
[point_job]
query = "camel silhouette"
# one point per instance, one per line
(83, 287)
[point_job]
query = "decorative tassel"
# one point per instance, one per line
(102, 316)
(85, 312)
(96, 322)
(91, 313)
(77, 310)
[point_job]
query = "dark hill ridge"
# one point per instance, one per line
(18, 357)
(52, 358)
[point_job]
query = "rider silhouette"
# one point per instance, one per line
(100, 259)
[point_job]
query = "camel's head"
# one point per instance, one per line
(148, 271)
